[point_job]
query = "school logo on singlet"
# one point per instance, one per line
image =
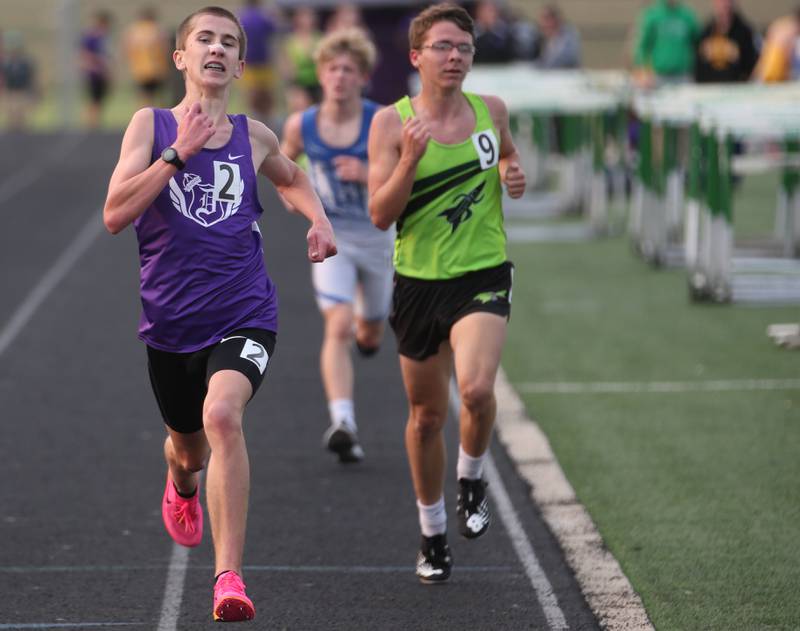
(462, 210)
(208, 203)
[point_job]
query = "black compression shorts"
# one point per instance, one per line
(180, 380)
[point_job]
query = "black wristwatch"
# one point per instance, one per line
(170, 156)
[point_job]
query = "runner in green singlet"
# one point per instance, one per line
(437, 163)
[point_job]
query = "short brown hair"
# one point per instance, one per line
(188, 24)
(352, 41)
(441, 12)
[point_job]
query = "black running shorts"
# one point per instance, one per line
(424, 311)
(180, 380)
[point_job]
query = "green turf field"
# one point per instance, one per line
(695, 493)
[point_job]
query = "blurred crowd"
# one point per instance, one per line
(669, 45)
(672, 46)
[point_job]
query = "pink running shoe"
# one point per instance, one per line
(183, 517)
(231, 604)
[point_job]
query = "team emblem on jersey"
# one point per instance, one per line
(206, 203)
(462, 210)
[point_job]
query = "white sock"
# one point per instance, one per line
(433, 518)
(342, 412)
(468, 466)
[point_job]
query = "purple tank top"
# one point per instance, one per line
(202, 268)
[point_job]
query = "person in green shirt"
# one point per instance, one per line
(665, 47)
(437, 163)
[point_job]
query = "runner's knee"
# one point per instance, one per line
(426, 422)
(339, 326)
(369, 337)
(222, 418)
(476, 395)
(340, 332)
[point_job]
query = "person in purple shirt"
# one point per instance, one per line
(95, 65)
(259, 74)
(186, 180)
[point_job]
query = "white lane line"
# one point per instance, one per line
(637, 387)
(519, 539)
(25, 177)
(610, 595)
(50, 280)
(173, 590)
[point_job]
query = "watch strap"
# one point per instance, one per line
(175, 160)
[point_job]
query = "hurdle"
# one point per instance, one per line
(694, 187)
(562, 123)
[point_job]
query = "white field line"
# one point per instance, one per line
(606, 588)
(173, 590)
(519, 539)
(639, 387)
(63, 264)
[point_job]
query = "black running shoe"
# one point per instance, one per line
(472, 508)
(434, 560)
(343, 441)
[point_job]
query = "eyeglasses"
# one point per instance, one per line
(445, 47)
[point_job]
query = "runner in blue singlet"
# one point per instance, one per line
(353, 289)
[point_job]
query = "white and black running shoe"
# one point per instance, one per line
(434, 560)
(472, 508)
(343, 441)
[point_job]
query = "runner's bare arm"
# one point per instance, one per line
(292, 145)
(135, 183)
(394, 150)
(294, 185)
(511, 173)
(292, 141)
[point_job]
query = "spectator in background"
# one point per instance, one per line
(494, 40)
(726, 51)
(96, 65)
(560, 42)
(666, 41)
(299, 69)
(259, 74)
(175, 83)
(779, 50)
(389, 31)
(2, 83)
(346, 15)
(147, 51)
(18, 75)
(526, 38)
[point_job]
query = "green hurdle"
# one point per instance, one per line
(569, 106)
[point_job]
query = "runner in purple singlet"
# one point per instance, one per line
(186, 180)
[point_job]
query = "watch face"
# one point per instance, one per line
(169, 154)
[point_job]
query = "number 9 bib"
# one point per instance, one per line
(487, 147)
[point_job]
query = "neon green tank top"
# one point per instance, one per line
(453, 222)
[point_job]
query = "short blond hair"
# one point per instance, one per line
(352, 41)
